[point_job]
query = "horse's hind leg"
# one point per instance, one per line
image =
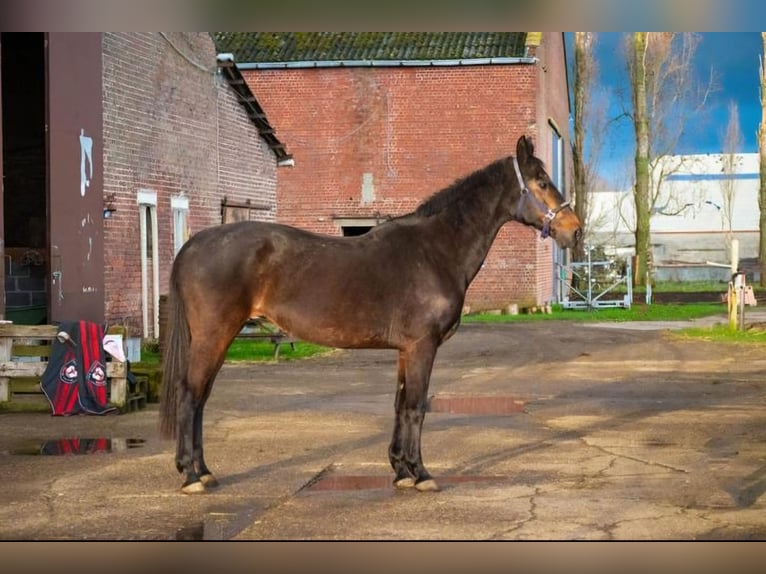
(185, 441)
(205, 476)
(205, 360)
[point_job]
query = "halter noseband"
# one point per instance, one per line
(550, 214)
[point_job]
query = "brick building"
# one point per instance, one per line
(148, 138)
(379, 121)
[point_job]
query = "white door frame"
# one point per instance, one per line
(147, 205)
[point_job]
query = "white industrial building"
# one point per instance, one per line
(703, 202)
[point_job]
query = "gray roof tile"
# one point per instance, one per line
(272, 47)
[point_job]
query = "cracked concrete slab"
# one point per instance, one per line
(623, 435)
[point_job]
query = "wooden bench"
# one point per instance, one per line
(260, 328)
(24, 353)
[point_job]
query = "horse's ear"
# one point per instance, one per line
(524, 149)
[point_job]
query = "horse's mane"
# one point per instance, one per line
(464, 189)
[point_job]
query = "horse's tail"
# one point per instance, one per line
(175, 360)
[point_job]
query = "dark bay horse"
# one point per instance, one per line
(399, 286)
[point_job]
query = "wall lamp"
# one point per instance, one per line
(109, 207)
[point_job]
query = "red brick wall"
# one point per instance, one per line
(171, 128)
(415, 129)
(552, 110)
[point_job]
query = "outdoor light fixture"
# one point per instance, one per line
(109, 207)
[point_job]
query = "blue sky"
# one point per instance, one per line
(734, 59)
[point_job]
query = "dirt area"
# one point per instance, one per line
(683, 297)
(550, 430)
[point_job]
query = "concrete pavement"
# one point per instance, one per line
(538, 431)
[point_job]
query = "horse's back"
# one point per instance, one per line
(231, 244)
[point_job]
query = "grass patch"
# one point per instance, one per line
(685, 287)
(722, 334)
(249, 350)
(658, 312)
(637, 312)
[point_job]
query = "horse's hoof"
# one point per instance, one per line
(428, 485)
(208, 481)
(404, 483)
(193, 488)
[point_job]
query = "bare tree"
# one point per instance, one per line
(732, 146)
(665, 95)
(762, 154)
(584, 77)
(638, 81)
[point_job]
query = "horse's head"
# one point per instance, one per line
(540, 204)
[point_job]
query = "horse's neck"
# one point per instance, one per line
(472, 240)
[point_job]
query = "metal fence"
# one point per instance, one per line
(596, 283)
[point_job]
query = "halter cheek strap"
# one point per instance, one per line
(550, 214)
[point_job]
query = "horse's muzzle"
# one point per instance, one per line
(567, 235)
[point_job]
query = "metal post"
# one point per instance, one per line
(741, 301)
(590, 280)
(648, 283)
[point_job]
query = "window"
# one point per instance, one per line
(352, 226)
(180, 208)
(354, 230)
(557, 163)
(148, 243)
(242, 210)
(557, 175)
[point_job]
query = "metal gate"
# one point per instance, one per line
(596, 283)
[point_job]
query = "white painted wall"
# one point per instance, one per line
(690, 225)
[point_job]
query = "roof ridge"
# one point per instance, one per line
(273, 47)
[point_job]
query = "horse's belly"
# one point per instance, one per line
(347, 337)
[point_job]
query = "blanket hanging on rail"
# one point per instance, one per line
(75, 379)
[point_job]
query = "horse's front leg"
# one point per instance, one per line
(403, 478)
(411, 410)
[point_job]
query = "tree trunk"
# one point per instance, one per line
(641, 195)
(580, 101)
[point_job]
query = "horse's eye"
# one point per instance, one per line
(543, 185)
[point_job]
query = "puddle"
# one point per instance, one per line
(219, 525)
(366, 482)
(351, 482)
(476, 405)
(191, 533)
(66, 446)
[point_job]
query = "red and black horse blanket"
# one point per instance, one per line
(75, 379)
